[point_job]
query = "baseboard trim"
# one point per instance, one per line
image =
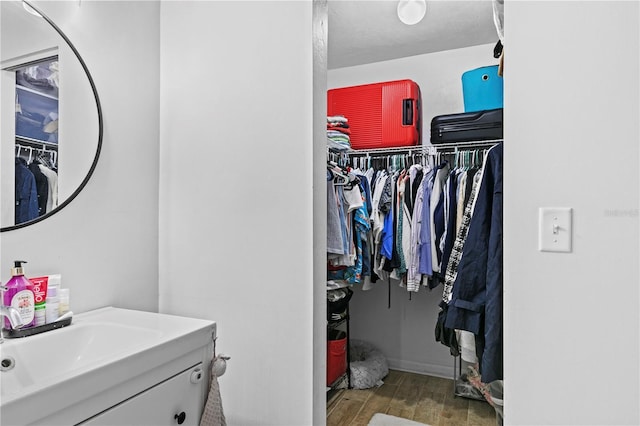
(436, 370)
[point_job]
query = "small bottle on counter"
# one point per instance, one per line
(63, 301)
(40, 294)
(51, 306)
(19, 295)
(40, 315)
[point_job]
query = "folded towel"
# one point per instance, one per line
(340, 129)
(336, 119)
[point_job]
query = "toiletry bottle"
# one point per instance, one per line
(51, 308)
(40, 293)
(63, 301)
(19, 294)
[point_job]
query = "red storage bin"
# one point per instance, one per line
(380, 115)
(336, 355)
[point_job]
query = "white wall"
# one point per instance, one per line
(105, 242)
(571, 140)
(319, 39)
(405, 332)
(236, 195)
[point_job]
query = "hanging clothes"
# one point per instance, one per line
(350, 198)
(476, 299)
(40, 162)
(411, 215)
(414, 276)
(335, 229)
(42, 187)
(401, 241)
(419, 224)
(26, 194)
(52, 179)
(437, 215)
(425, 263)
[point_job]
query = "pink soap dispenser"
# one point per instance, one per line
(19, 294)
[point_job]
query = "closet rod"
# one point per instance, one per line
(36, 143)
(426, 149)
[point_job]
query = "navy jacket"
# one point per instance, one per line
(476, 303)
(26, 194)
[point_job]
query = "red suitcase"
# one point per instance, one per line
(380, 115)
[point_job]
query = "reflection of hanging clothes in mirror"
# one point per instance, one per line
(47, 158)
(26, 194)
(41, 164)
(52, 179)
(42, 187)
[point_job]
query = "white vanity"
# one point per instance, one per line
(109, 367)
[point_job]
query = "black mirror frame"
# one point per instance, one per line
(99, 147)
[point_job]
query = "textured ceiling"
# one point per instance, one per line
(365, 31)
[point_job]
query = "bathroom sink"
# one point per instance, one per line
(59, 353)
(99, 350)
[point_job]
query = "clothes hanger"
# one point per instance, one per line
(341, 176)
(338, 177)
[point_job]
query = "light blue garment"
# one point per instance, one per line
(335, 242)
(354, 274)
(402, 267)
(386, 248)
(424, 246)
(343, 220)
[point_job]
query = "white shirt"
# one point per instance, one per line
(52, 179)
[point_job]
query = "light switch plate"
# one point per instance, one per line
(555, 229)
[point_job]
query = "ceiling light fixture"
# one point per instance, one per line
(411, 12)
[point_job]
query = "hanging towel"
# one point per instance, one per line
(213, 414)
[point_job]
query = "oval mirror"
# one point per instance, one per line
(51, 132)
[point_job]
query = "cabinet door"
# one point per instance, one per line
(176, 401)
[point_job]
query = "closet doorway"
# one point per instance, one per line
(368, 43)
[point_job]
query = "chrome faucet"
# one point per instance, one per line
(12, 314)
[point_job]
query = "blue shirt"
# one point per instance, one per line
(425, 259)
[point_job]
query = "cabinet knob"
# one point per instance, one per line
(180, 418)
(196, 375)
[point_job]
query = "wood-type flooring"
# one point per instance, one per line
(417, 397)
